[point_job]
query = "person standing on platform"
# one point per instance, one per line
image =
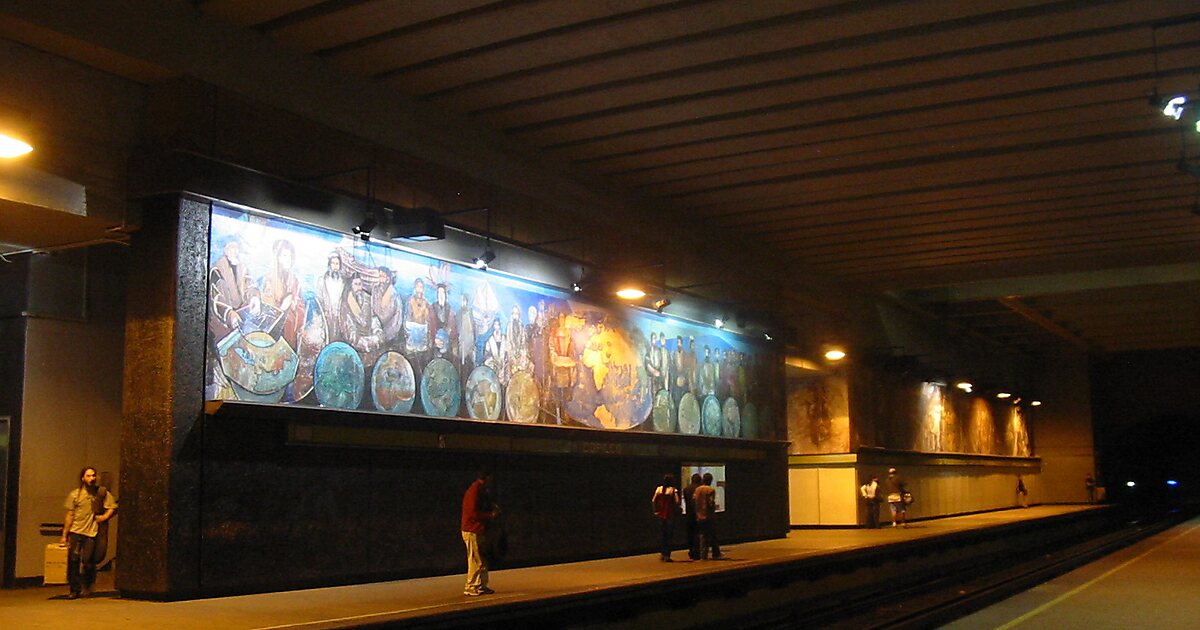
(666, 506)
(689, 507)
(1022, 492)
(895, 496)
(85, 530)
(870, 493)
(705, 498)
(478, 512)
(1090, 483)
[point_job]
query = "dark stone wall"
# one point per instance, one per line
(277, 515)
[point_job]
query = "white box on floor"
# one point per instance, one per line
(55, 569)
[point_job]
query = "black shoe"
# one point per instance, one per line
(73, 595)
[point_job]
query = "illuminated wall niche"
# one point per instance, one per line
(305, 316)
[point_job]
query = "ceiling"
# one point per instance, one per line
(996, 163)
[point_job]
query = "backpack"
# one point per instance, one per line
(665, 502)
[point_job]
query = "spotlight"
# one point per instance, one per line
(1003, 395)
(719, 322)
(768, 337)
(966, 386)
(417, 224)
(631, 293)
(661, 304)
(1174, 107)
(1130, 484)
(363, 230)
(14, 131)
(1035, 403)
(483, 260)
(575, 288)
(835, 354)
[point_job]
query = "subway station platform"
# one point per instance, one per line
(439, 600)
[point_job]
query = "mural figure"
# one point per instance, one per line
(281, 289)
(363, 329)
(331, 289)
(466, 336)
(708, 373)
(229, 291)
(416, 325)
(679, 368)
(443, 323)
(692, 367)
(386, 307)
(562, 356)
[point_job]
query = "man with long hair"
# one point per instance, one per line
(89, 508)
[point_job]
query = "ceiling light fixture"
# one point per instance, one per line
(1003, 395)
(631, 293)
(1035, 403)
(1174, 107)
(768, 337)
(661, 304)
(576, 287)
(966, 386)
(719, 322)
(835, 354)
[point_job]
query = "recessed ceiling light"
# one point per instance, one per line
(835, 355)
(631, 293)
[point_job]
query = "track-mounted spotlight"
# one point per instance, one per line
(1173, 107)
(719, 322)
(483, 260)
(363, 230)
(661, 304)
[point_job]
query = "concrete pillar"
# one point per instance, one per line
(161, 429)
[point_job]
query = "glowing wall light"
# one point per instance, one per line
(1174, 107)
(966, 386)
(11, 147)
(631, 293)
(1003, 395)
(835, 354)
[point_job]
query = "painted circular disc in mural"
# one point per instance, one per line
(338, 376)
(521, 398)
(711, 416)
(440, 392)
(393, 384)
(662, 414)
(483, 394)
(732, 425)
(749, 421)
(689, 414)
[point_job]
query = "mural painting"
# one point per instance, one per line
(819, 415)
(306, 316)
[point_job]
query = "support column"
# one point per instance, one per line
(161, 428)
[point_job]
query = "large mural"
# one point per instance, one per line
(305, 316)
(818, 415)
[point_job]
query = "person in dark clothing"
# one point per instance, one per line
(870, 494)
(666, 506)
(477, 512)
(689, 505)
(895, 497)
(1022, 492)
(85, 530)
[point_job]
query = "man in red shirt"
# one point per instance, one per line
(477, 511)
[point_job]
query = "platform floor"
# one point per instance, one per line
(346, 606)
(1151, 584)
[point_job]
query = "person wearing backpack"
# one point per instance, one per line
(666, 507)
(85, 530)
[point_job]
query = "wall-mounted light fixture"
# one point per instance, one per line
(835, 354)
(630, 293)
(661, 304)
(363, 230)
(483, 260)
(966, 386)
(719, 322)
(14, 138)
(1035, 403)
(1003, 395)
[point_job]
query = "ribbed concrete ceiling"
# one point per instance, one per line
(915, 148)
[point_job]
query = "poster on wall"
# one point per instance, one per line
(307, 316)
(718, 473)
